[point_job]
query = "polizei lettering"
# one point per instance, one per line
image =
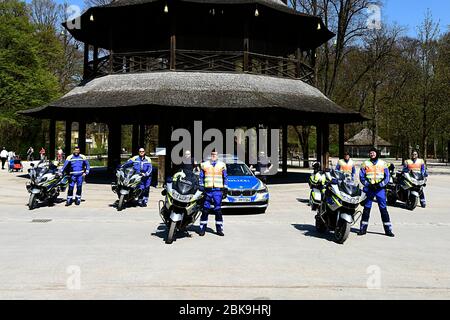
(198, 311)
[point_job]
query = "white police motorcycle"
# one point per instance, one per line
(126, 186)
(340, 205)
(45, 184)
(182, 204)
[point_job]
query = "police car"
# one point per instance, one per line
(245, 190)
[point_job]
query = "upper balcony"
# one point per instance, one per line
(292, 67)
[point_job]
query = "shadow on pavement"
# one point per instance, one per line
(310, 231)
(161, 232)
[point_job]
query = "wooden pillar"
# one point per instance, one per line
(173, 37)
(325, 145)
(86, 61)
(82, 136)
(52, 140)
(319, 143)
(298, 58)
(114, 145)
(68, 138)
(135, 139)
(141, 136)
(341, 140)
(284, 150)
(95, 56)
(163, 161)
(246, 47)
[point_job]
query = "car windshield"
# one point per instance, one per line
(238, 170)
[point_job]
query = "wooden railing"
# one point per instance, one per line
(196, 60)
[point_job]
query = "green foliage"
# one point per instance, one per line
(25, 78)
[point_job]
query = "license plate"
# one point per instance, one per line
(243, 200)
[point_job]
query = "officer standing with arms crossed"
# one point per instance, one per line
(346, 165)
(78, 167)
(143, 165)
(416, 165)
(213, 182)
(374, 175)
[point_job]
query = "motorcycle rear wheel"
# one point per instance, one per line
(342, 231)
(391, 199)
(121, 203)
(32, 202)
(171, 232)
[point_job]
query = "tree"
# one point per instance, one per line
(25, 82)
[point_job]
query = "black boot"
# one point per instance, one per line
(69, 202)
(220, 233)
(390, 234)
(362, 232)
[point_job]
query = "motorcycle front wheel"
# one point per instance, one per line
(171, 232)
(32, 202)
(121, 203)
(342, 231)
(411, 203)
(320, 225)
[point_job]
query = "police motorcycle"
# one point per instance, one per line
(45, 184)
(126, 186)
(405, 187)
(340, 205)
(316, 184)
(182, 204)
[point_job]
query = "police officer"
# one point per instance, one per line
(78, 167)
(346, 165)
(188, 165)
(143, 165)
(416, 165)
(374, 175)
(213, 181)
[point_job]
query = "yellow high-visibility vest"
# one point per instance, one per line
(213, 174)
(415, 166)
(374, 172)
(346, 167)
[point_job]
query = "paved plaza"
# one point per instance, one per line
(94, 252)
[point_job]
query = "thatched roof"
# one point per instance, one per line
(275, 4)
(364, 138)
(200, 90)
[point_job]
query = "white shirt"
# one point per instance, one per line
(4, 154)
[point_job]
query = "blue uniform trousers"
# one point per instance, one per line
(380, 195)
(145, 187)
(213, 198)
(75, 180)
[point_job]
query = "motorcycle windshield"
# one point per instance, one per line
(350, 189)
(128, 172)
(186, 185)
(417, 175)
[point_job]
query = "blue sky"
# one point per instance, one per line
(406, 13)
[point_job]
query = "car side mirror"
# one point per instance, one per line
(32, 164)
(257, 173)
